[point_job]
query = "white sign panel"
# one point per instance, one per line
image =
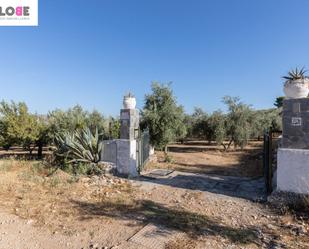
(18, 12)
(296, 121)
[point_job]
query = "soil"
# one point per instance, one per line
(44, 208)
(201, 157)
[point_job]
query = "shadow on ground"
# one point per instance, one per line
(231, 170)
(147, 211)
(243, 187)
(211, 160)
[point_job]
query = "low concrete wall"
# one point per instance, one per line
(121, 152)
(126, 157)
(293, 170)
(109, 151)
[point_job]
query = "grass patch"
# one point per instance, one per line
(6, 165)
(182, 243)
(33, 190)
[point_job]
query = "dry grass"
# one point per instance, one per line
(182, 243)
(62, 203)
(211, 159)
(41, 195)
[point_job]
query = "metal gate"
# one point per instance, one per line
(142, 150)
(268, 161)
(271, 144)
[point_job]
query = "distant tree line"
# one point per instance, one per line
(162, 115)
(19, 127)
(235, 127)
(168, 123)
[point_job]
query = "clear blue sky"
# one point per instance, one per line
(91, 52)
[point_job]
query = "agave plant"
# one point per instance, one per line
(295, 74)
(81, 146)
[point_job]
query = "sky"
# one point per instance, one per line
(92, 52)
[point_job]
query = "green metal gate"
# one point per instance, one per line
(271, 145)
(268, 160)
(142, 150)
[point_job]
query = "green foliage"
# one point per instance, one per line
(295, 74)
(217, 126)
(18, 126)
(80, 146)
(168, 158)
(163, 117)
(96, 121)
(238, 125)
(114, 128)
(262, 120)
(76, 119)
(279, 102)
(200, 125)
(209, 127)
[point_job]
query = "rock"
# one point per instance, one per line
(270, 226)
(30, 221)
(298, 229)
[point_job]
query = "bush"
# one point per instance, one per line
(76, 118)
(79, 149)
(163, 116)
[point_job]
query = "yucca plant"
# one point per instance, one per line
(295, 74)
(80, 146)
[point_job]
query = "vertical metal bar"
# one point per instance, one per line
(142, 154)
(265, 160)
(270, 161)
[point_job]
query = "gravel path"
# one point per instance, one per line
(16, 233)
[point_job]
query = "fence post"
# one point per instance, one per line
(270, 161)
(267, 160)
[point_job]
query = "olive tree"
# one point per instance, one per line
(76, 118)
(114, 128)
(18, 126)
(238, 124)
(200, 125)
(217, 127)
(163, 116)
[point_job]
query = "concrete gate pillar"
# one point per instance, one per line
(293, 156)
(127, 144)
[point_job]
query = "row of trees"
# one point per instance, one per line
(236, 127)
(19, 127)
(167, 121)
(162, 115)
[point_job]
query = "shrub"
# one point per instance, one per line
(79, 148)
(163, 116)
(239, 119)
(76, 118)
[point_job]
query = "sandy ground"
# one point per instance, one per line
(209, 221)
(44, 209)
(199, 157)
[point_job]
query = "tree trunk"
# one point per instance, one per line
(40, 151)
(229, 145)
(224, 146)
(165, 150)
